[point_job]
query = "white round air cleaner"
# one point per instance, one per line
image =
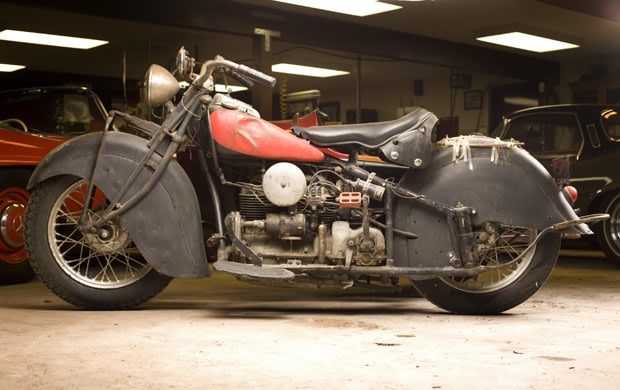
(284, 184)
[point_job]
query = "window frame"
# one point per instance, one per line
(574, 116)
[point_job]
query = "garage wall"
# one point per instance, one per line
(386, 98)
(572, 71)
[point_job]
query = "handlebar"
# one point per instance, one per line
(246, 82)
(241, 70)
(256, 75)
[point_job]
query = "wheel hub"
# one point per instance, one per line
(109, 239)
(12, 225)
(13, 202)
(485, 236)
(497, 244)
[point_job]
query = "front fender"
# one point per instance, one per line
(511, 188)
(165, 224)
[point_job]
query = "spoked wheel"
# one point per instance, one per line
(608, 231)
(101, 270)
(502, 288)
(14, 267)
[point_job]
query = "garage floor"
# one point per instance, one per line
(220, 333)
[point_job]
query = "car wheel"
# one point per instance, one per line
(14, 267)
(608, 231)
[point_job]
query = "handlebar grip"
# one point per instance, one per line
(242, 79)
(256, 75)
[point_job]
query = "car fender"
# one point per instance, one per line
(595, 179)
(165, 224)
(505, 185)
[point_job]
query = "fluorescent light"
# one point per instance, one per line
(306, 70)
(49, 39)
(529, 42)
(521, 101)
(10, 67)
(349, 7)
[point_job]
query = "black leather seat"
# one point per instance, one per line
(363, 135)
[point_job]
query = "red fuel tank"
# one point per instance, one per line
(253, 136)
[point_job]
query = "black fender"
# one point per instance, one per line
(165, 224)
(503, 184)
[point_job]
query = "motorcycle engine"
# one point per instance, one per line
(296, 222)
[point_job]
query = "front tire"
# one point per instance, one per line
(495, 291)
(102, 271)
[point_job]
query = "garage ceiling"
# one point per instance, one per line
(439, 32)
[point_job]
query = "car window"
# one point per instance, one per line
(53, 112)
(551, 133)
(76, 114)
(497, 132)
(611, 124)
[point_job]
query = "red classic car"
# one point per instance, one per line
(33, 122)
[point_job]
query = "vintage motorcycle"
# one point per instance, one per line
(475, 223)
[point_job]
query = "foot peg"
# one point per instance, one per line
(240, 269)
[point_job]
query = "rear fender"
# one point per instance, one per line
(512, 188)
(165, 224)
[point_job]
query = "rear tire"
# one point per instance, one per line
(494, 292)
(608, 231)
(86, 270)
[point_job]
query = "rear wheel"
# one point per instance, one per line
(608, 231)
(98, 271)
(497, 290)
(14, 267)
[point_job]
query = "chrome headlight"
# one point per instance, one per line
(160, 84)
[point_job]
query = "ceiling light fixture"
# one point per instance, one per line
(524, 41)
(10, 67)
(50, 39)
(306, 70)
(357, 8)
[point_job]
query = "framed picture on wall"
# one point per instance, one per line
(473, 99)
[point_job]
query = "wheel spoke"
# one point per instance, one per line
(107, 263)
(504, 245)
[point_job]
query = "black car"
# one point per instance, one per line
(590, 136)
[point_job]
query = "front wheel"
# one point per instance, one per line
(498, 290)
(96, 271)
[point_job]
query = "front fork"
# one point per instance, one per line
(170, 136)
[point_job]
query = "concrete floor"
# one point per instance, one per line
(220, 333)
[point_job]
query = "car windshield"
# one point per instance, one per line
(611, 124)
(53, 112)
